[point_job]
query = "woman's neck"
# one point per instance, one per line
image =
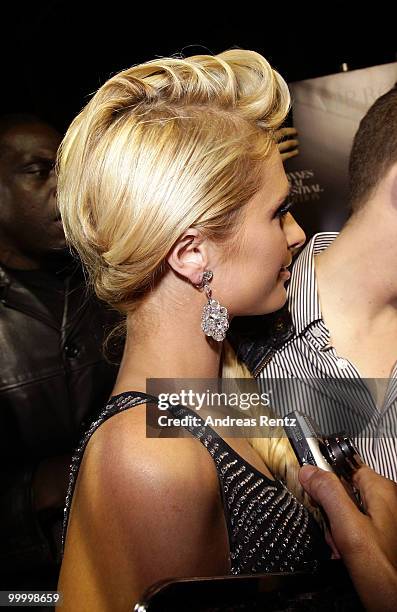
(173, 346)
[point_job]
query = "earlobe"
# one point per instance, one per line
(188, 256)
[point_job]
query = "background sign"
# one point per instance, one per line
(326, 113)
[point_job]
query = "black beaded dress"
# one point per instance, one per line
(269, 529)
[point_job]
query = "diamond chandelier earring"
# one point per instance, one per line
(214, 319)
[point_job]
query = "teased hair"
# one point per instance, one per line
(161, 147)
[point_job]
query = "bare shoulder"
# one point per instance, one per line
(121, 456)
(135, 478)
(149, 507)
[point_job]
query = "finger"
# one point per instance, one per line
(326, 489)
(286, 131)
(330, 541)
(287, 144)
(289, 154)
(375, 490)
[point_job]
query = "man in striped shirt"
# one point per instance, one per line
(340, 355)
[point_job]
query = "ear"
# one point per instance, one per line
(189, 256)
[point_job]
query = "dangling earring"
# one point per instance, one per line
(214, 319)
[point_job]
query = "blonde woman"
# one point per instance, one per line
(171, 188)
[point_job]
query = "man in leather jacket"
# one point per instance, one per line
(53, 374)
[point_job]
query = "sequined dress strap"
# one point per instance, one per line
(116, 404)
(269, 530)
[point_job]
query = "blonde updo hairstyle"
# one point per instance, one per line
(163, 146)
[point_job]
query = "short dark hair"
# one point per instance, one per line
(374, 149)
(11, 120)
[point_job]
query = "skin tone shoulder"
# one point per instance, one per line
(151, 507)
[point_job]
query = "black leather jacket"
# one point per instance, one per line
(52, 379)
(255, 339)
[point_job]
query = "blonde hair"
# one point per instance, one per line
(274, 449)
(161, 147)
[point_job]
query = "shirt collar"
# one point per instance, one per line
(303, 300)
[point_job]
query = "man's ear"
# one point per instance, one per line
(188, 256)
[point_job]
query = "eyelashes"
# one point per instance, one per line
(284, 208)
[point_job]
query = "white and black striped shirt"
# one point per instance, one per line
(328, 387)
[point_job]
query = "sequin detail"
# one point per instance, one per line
(269, 530)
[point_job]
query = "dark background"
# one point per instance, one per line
(54, 53)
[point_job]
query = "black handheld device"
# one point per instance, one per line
(335, 453)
